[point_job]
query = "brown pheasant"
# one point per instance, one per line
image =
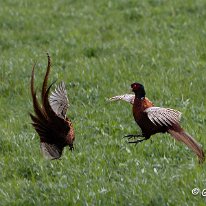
(154, 120)
(50, 122)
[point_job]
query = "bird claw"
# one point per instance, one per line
(137, 141)
(129, 136)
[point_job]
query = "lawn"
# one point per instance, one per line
(98, 48)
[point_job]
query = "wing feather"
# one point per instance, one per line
(59, 101)
(51, 151)
(163, 116)
(125, 97)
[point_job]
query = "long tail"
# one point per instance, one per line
(44, 86)
(45, 92)
(37, 108)
(190, 142)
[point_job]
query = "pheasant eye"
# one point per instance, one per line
(135, 86)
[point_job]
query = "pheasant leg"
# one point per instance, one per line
(129, 136)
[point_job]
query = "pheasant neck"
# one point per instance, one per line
(139, 96)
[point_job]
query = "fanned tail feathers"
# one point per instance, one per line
(190, 142)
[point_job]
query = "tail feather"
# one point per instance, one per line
(190, 142)
(45, 93)
(44, 86)
(37, 108)
(47, 107)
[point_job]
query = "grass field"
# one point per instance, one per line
(99, 48)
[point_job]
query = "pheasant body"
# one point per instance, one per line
(141, 117)
(154, 120)
(50, 122)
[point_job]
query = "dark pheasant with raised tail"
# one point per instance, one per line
(50, 122)
(154, 120)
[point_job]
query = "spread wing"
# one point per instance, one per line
(59, 101)
(51, 151)
(125, 97)
(163, 116)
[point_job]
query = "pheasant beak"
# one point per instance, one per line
(132, 89)
(71, 147)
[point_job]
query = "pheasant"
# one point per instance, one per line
(50, 122)
(154, 120)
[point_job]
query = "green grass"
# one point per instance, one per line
(99, 48)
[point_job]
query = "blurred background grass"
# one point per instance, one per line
(99, 48)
